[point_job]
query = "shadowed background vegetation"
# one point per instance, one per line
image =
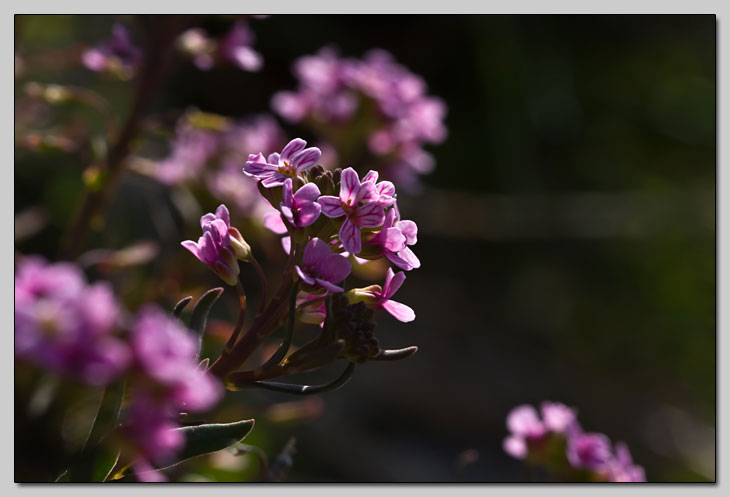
(567, 237)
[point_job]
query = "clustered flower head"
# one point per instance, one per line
(117, 55)
(234, 47)
(167, 382)
(361, 219)
(400, 117)
(556, 439)
(65, 326)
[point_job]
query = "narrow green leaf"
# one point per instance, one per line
(396, 354)
(103, 466)
(201, 310)
(180, 306)
(204, 439)
(305, 389)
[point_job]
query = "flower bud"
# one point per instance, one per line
(240, 247)
(367, 294)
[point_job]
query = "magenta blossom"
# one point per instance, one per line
(524, 425)
(220, 245)
(392, 241)
(558, 417)
(378, 298)
(321, 268)
(235, 47)
(274, 171)
(622, 468)
(385, 189)
(360, 203)
(166, 353)
(64, 325)
(588, 450)
(301, 208)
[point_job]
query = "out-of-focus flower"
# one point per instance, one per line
(537, 439)
(622, 468)
(235, 47)
(168, 381)
(220, 245)
(334, 90)
(322, 269)
(117, 54)
(293, 160)
(588, 450)
(190, 151)
(301, 208)
(359, 203)
(66, 326)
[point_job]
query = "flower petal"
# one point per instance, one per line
(371, 176)
(304, 276)
(306, 159)
(329, 286)
(274, 158)
(349, 185)
(308, 213)
(256, 166)
(286, 191)
(395, 241)
(369, 215)
(331, 206)
(335, 268)
(399, 311)
(315, 252)
(410, 230)
(292, 148)
(276, 179)
(408, 255)
(192, 247)
(287, 213)
(222, 213)
(309, 192)
(208, 218)
(366, 193)
(350, 237)
(273, 222)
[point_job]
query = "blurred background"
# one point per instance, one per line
(566, 234)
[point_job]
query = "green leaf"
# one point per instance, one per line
(201, 310)
(204, 439)
(180, 306)
(103, 465)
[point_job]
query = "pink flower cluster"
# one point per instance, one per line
(363, 218)
(529, 434)
(235, 47)
(68, 327)
(335, 90)
(65, 325)
(168, 381)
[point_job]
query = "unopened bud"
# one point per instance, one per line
(240, 247)
(367, 294)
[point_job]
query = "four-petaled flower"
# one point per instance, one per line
(384, 189)
(219, 245)
(392, 240)
(321, 268)
(274, 171)
(360, 203)
(382, 297)
(301, 208)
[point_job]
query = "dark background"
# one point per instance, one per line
(567, 237)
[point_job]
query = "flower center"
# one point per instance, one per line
(287, 170)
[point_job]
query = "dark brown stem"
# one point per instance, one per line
(164, 31)
(241, 318)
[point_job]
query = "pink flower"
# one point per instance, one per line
(274, 171)
(588, 450)
(392, 241)
(622, 468)
(217, 248)
(384, 189)
(118, 49)
(524, 425)
(235, 47)
(360, 203)
(321, 268)
(382, 300)
(301, 208)
(558, 417)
